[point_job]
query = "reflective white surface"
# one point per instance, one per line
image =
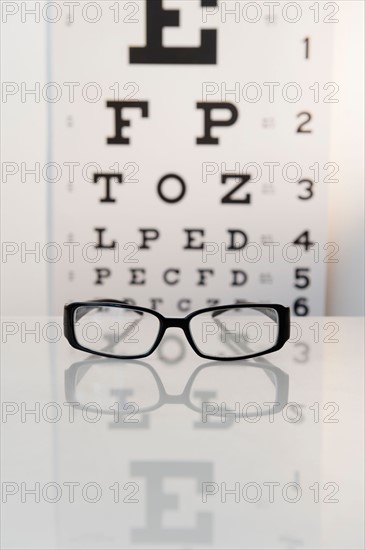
(170, 471)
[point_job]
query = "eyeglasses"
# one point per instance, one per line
(115, 329)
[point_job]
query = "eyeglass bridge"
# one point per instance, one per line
(178, 322)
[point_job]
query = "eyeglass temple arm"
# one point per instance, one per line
(243, 346)
(270, 313)
(83, 310)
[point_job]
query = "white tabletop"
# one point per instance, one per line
(176, 470)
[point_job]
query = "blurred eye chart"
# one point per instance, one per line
(189, 152)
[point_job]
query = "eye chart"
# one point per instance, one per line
(189, 152)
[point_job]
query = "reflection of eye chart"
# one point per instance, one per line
(191, 141)
(207, 450)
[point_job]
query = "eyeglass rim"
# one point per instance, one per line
(283, 314)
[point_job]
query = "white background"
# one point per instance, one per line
(24, 138)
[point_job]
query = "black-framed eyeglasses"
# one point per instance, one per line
(230, 332)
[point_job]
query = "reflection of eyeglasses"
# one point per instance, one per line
(226, 333)
(107, 382)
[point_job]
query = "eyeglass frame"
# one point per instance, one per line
(283, 319)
